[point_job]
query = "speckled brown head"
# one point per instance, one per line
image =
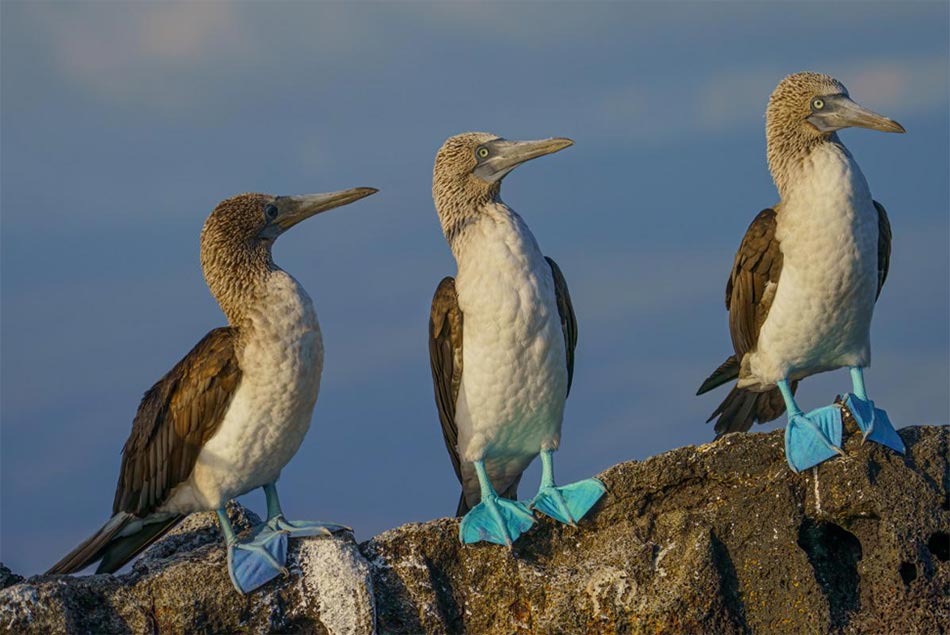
(238, 235)
(805, 110)
(468, 171)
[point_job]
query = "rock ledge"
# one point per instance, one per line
(720, 538)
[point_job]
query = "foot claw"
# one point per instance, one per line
(304, 528)
(497, 520)
(257, 560)
(813, 438)
(874, 423)
(569, 503)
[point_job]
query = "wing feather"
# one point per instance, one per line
(750, 289)
(565, 309)
(749, 294)
(445, 360)
(883, 246)
(176, 416)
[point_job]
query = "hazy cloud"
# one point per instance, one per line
(732, 98)
(124, 52)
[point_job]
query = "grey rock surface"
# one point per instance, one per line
(181, 585)
(720, 538)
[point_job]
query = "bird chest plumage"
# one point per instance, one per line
(515, 380)
(828, 233)
(281, 360)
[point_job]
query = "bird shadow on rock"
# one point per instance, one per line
(540, 543)
(834, 553)
(729, 583)
(448, 607)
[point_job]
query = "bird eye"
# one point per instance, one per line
(270, 211)
(818, 104)
(481, 152)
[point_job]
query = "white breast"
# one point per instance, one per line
(821, 315)
(271, 410)
(514, 378)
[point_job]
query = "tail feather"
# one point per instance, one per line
(91, 549)
(113, 549)
(121, 550)
(463, 506)
(741, 408)
(726, 372)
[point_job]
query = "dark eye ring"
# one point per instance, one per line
(818, 104)
(270, 211)
(481, 152)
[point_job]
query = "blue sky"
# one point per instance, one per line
(123, 124)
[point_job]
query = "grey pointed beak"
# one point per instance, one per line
(504, 155)
(840, 112)
(294, 209)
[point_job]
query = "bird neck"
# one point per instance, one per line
(788, 150)
(237, 278)
(498, 234)
(459, 201)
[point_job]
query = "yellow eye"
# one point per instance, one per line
(818, 104)
(482, 152)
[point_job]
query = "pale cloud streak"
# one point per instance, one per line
(909, 85)
(176, 56)
(126, 53)
(736, 98)
(173, 57)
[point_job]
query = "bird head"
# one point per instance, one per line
(238, 235)
(482, 159)
(816, 105)
(804, 112)
(469, 168)
(247, 219)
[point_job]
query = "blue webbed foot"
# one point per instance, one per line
(813, 438)
(495, 519)
(874, 423)
(304, 528)
(257, 560)
(568, 503)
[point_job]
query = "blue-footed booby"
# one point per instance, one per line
(807, 275)
(231, 414)
(501, 344)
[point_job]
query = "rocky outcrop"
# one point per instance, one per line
(720, 538)
(717, 539)
(181, 585)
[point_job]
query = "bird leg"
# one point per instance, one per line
(812, 438)
(494, 519)
(256, 560)
(295, 528)
(568, 503)
(874, 422)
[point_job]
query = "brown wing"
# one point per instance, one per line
(883, 246)
(177, 415)
(568, 320)
(445, 359)
(748, 295)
